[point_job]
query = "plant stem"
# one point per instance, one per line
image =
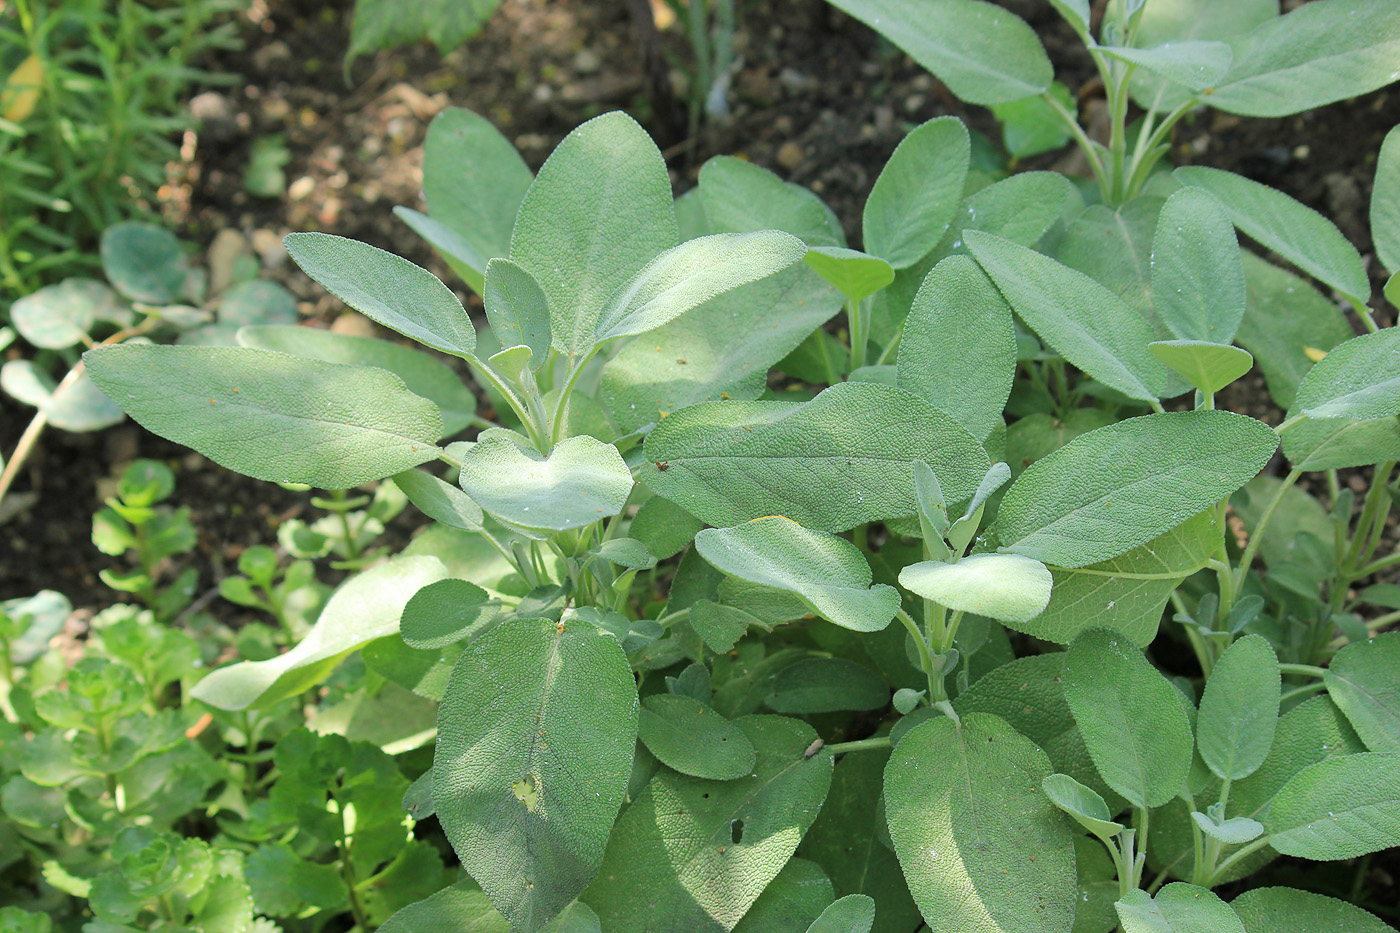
(1224, 866)
(1302, 691)
(1086, 145)
(878, 742)
(1306, 670)
(1257, 533)
(31, 434)
(925, 657)
(556, 429)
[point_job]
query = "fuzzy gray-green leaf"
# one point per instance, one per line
(690, 737)
(917, 192)
(1339, 808)
(1197, 278)
(1358, 379)
(1177, 908)
(582, 481)
(1361, 680)
(1239, 709)
(1268, 910)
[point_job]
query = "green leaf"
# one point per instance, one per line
(1268, 910)
(439, 500)
(366, 607)
(1208, 366)
(1197, 278)
(717, 844)
(740, 197)
(1177, 908)
(462, 908)
(690, 737)
(422, 374)
(1315, 55)
(334, 426)
(1193, 63)
(965, 810)
(1006, 587)
(729, 462)
(58, 316)
(663, 527)
(985, 54)
(1114, 248)
(597, 213)
(1232, 832)
(527, 780)
(1358, 379)
(854, 913)
(1031, 126)
(724, 348)
(386, 288)
(143, 262)
(827, 685)
(77, 406)
(1131, 718)
(517, 308)
(1385, 203)
(1082, 803)
(1361, 680)
(383, 24)
(1294, 231)
(791, 901)
(444, 612)
(854, 274)
(1339, 808)
(1239, 709)
(688, 275)
(917, 193)
(576, 918)
(1110, 490)
(1089, 325)
(582, 481)
(958, 350)
(829, 573)
(1339, 443)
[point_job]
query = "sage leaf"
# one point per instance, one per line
(1265, 910)
(690, 737)
(728, 462)
(576, 918)
(793, 899)
(439, 500)
(1239, 709)
(740, 197)
(1089, 325)
(965, 807)
(917, 192)
(1208, 366)
(1130, 716)
(582, 481)
(722, 842)
(985, 54)
(1385, 204)
(143, 261)
(1294, 231)
(827, 685)
(1114, 248)
(387, 289)
(1339, 443)
(1358, 379)
(828, 573)
(460, 908)
(854, 913)
(270, 415)
(1177, 908)
(688, 275)
(663, 527)
(445, 612)
(1193, 63)
(535, 740)
(598, 211)
(1110, 490)
(366, 607)
(958, 350)
(1339, 808)
(58, 316)
(999, 586)
(854, 274)
(1361, 680)
(1197, 278)
(517, 308)
(1232, 832)
(1082, 803)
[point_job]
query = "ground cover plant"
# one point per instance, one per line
(744, 738)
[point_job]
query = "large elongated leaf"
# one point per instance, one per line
(854, 913)
(1358, 379)
(272, 416)
(959, 346)
(793, 899)
(1131, 718)
(984, 53)
(917, 192)
(965, 808)
(688, 275)
(1361, 680)
(828, 573)
(690, 737)
(1193, 63)
(1197, 278)
(1267, 910)
(1110, 490)
(1338, 808)
(1177, 908)
(599, 210)
(461, 908)
(694, 855)
(1114, 248)
(386, 288)
(1239, 709)
(517, 308)
(1321, 52)
(582, 481)
(535, 741)
(1089, 325)
(740, 197)
(1293, 230)
(1338, 443)
(1385, 203)
(367, 607)
(723, 348)
(728, 462)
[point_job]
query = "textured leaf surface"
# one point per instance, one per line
(581, 481)
(1006, 587)
(366, 607)
(965, 807)
(740, 197)
(791, 901)
(143, 261)
(272, 416)
(1294, 231)
(1338, 443)
(729, 462)
(517, 308)
(461, 908)
(1239, 709)
(1130, 716)
(386, 288)
(827, 685)
(58, 316)
(445, 612)
(917, 192)
(1267, 910)
(1193, 63)
(1177, 908)
(1358, 379)
(1339, 808)
(1362, 680)
(1114, 248)
(439, 500)
(1197, 278)
(1385, 203)
(1110, 490)
(690, 737)
(535, 740)
(854, 913)
(691, 854)
(1209, 367)
(854, 274)
(985, 54)
(1082, 803)
(599, 210)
